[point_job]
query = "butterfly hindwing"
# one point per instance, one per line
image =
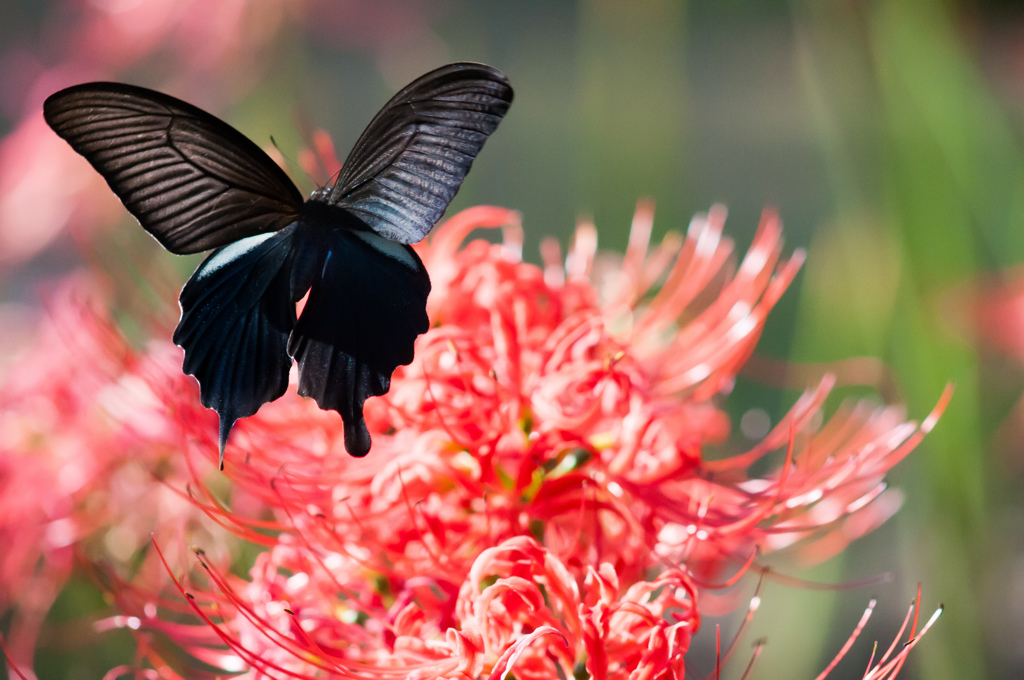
(410, 161)
(237, 311)
(192, 181)
(366, 306)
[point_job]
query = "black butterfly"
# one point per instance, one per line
(196, 183)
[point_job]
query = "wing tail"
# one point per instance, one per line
(365, 309)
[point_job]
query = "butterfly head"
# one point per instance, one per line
(321, 194)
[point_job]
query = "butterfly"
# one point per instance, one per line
(196, 184)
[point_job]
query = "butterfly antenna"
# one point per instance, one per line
(290, 162)
(319, 149)
(305, 165)
(333, 179)
(273, 143)
(326, 154)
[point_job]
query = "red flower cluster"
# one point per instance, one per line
(83, 440)
(538, 500)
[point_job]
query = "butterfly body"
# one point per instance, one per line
(197, 184)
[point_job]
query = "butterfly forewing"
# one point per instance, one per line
(410, 161)
(192, 181)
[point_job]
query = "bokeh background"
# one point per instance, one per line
(888, 134)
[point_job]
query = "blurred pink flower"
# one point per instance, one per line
(998, 313)
(539, 498)
(993, 309)
(46, 188)
(74, 481)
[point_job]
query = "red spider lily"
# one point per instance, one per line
(538, 498)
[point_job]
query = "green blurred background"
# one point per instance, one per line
(887, 134)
